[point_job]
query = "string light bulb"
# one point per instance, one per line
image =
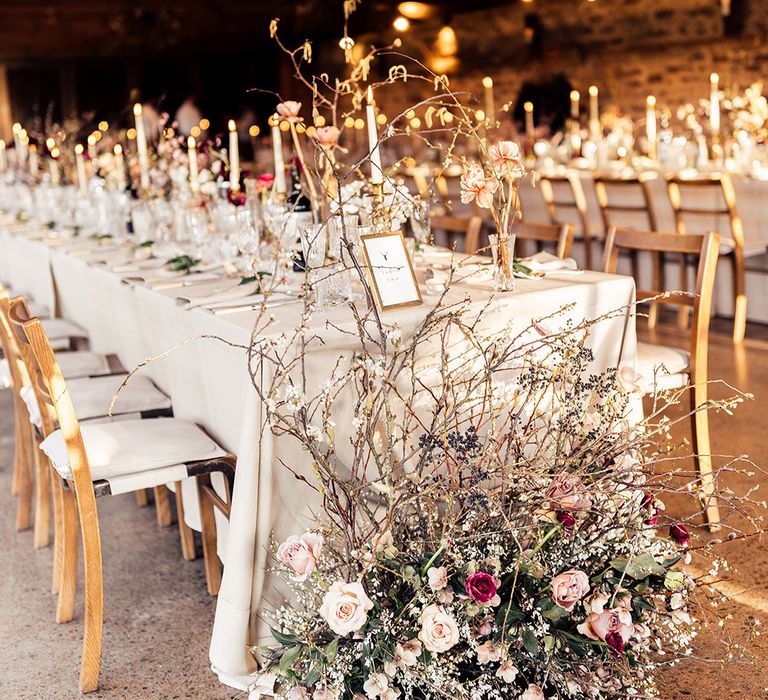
(401, 24)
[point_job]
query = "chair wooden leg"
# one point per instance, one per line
(682, 314)
(587, 251)
(186, 536)
(58, 530)
(17, 440)
(93, 585)
(739, 296)
(163, 506)
(67, 584)
(702, 451)
(42, 536)
(657, 272)
(25, 495)
(142, 500)
(210, 556)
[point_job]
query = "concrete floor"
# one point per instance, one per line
(158, 616)
(157, 613)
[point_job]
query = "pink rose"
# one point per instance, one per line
(567, 492)
(289, 111)
(600, 625)
(327, 136)
(265, 181)
(476, 187)
(505, 158)
(481, 587)
(300, 554)
(569, 588)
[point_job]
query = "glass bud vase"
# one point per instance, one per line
(503, 250)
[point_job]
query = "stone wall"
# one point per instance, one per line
(629, 48)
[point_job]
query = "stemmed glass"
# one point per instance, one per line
(197, 227)
(247, 236)
(420, 224)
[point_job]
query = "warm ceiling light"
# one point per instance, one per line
(487, 81)
(285, 126)
(401, 24)
(381, 119)
(359, 124)
(415, 10)
(319, 120)
(195, 131)
(446, 41)
(346, 42)
(254, 131)
(204, 124)
(349, 122)
(50, 142)
(103, 126)
(415, 123)
(130, 134)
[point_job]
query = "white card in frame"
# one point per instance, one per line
(390, 270)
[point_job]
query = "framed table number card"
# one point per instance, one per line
(390, 270)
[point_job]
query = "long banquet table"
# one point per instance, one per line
(208, 382)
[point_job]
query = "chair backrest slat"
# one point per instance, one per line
(468, 227)
(560, 234)
(639, 187)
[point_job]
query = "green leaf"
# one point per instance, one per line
(639, 567)
(181, 262)
(554, 613)
(332, 649)
(313, 675)
(283, 637)
(289, 658)
(529, 641)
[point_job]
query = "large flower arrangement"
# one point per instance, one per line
(496, 535)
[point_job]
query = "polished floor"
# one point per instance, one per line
(158, 616)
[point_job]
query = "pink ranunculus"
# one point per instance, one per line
(481, 587)
(569, 588)
(600, 625)
(300, 554)
(679, 533)
(327, 136)
(289, 111)
(505, 158)
(567, 492)
(476, 187)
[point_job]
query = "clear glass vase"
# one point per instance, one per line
(503, 250)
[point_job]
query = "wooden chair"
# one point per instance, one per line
(682, 368)
(565, 192)
(720, 190)
(625, 201)
(559, 235)
(88, 458)
(465, 227)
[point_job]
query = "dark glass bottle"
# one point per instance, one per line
(297, 202)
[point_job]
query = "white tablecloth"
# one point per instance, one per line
(208, 382)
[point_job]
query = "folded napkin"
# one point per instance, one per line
(232, 292)
(544, 261)
(275, 298)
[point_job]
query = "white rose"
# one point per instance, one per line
(438, 578)
(345, 607)
(439, 631)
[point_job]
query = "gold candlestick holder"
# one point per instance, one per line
(379, 216)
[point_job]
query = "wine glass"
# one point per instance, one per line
(420, 224)
(247, 236)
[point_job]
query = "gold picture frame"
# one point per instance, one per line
(387, 280)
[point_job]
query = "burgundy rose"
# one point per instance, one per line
(566, 519)
(480, 587)
(679, 533)
(615, 642)
(649, 504)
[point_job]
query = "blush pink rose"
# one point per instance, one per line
(569, 588)
(567, 492)
(476, 187)
(608, 622)
(300, 554)
(439, 631)
(345, 607)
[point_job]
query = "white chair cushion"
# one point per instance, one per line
(39, 310)
(5, 374)
(57, 328)
(91, 397)
(128, 447)
(82, 363)
(750, 247)
(662, 367)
